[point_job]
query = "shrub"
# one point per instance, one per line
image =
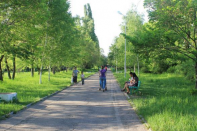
(187, 69)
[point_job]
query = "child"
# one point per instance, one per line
(82, 77)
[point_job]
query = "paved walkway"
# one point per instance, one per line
(79, 108)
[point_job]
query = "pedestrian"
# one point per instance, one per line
(82, 77)
(102, 78)
(75, 73)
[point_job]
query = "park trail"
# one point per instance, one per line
(79, 108)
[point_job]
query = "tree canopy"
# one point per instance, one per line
(44, 34)
(167, 43)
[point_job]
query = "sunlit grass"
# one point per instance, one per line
(165, 101)
(29, 90)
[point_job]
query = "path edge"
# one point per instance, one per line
(12, 113)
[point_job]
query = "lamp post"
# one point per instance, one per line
(116, 58)
(125, 70)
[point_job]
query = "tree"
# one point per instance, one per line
(17, 19)
(177, 20)
(134, 22)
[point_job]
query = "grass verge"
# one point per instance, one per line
(29, 90)
(165, 101)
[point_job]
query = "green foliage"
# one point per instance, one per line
(165, 43)
(44, 33)
(165, 101)
(193, 92)
(91, 45)
(187, 68)
(145, 69)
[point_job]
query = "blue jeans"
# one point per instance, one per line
(105, 82)
(102, 82)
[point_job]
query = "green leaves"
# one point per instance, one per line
(167, 39)
(43, 31)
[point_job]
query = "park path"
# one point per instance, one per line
(79, 108)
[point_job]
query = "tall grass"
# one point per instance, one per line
(29, 90)
(165, 101)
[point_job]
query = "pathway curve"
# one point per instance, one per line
(79, 108)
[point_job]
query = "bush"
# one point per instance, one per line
(171, 69)
(193, 91)
(187, 69)
(145, 70)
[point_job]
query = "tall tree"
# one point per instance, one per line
(178, 20)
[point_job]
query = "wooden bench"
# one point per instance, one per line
(135, 89)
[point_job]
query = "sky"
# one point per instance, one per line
(106, 18)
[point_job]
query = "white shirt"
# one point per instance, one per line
(82, 75)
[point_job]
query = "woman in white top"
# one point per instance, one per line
(128, 82)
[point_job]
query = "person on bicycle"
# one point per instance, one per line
(102, 78)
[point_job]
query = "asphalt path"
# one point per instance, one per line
(79, 108)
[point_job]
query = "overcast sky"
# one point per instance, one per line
(107, 20)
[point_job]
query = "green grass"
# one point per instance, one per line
(165, 101)
(29, 90)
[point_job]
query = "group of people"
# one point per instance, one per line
(75, 73)
(133, 81)
(102, 76)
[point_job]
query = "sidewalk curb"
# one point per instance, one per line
(6, 116)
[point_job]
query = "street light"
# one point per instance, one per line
(125, 70)
(116, 58)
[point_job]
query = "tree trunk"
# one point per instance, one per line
(134, 67)
(38, 70)
(32, 69)
(1, 71)
(40, 82)
(14, 67)
(138, 65)
(116, 66)
(196, 75)
(8, 68)
(54, 70)
(49, 71)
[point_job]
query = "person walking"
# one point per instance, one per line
(102, 77)
(75, 73)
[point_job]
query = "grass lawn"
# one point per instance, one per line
(165, 101)
(29, 90)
